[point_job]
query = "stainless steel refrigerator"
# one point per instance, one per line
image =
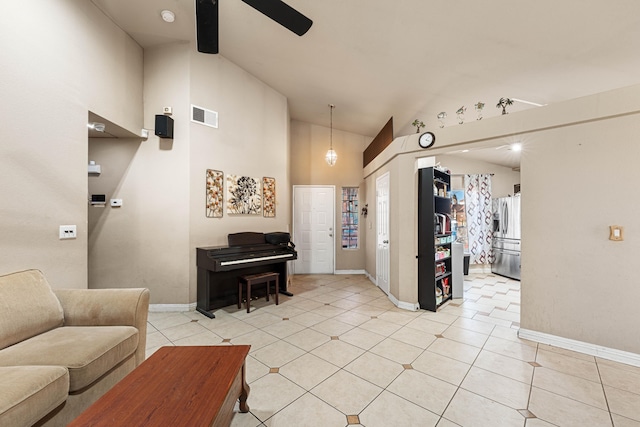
(506, 237)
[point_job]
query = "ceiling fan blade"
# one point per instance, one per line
(207, 25)
(283, 14)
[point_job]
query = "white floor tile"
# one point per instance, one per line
(391, 367)
(404, 413)
(469, 409)
(270, 394)
(423, 390)
(375, 369)
(347, 392)
(308, 411)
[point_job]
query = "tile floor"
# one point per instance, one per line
(340, 353)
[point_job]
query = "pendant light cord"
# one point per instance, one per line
(331, 106)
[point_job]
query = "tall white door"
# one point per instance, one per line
(382, 215)
(313, 229)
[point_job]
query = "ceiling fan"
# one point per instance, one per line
(282, 13)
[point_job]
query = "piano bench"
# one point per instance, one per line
(251, 280)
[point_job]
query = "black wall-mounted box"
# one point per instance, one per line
(98, 199)
(164, 126)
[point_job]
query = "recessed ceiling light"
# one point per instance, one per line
(465, 151)
(168, 16)
(516, 147)
(99, 127)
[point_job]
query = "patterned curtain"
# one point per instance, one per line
(479, 217)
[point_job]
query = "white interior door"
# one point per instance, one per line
(313, 229)
(382, 215)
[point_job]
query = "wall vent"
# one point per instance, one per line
(204, 116)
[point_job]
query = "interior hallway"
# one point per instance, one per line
(340, 353)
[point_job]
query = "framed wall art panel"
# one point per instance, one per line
(268, 197)
(215, 193)
(243, 195)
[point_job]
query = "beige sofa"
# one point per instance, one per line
(60, 350)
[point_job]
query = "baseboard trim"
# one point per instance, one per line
(402, 304)
(372, 279)
(349, 272)
(581, 347)
(167, 308)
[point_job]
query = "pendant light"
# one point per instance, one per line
(331, 155)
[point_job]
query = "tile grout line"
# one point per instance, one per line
(401, 327)
(604, 392)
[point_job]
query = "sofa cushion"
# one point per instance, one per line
(88, 352)
(28, 393)
(28, 307)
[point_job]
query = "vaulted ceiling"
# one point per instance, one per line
(412, 59)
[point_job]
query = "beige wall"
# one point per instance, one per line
(60, 60)
(112, 241)
(79, 61)
(146, 241)
(252, 139)
(309, 144)
(577, 284)
(578, 172)
(163, 217)
(403, 240)
(502, 181)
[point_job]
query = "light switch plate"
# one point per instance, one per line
(115, 203)
(616, 233)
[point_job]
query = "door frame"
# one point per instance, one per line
(293, 221)
(387, 176)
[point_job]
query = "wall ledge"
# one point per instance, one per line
(484, 133)
(582, 347)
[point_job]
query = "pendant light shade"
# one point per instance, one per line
(331, 155)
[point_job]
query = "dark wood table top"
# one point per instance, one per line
(175, 386)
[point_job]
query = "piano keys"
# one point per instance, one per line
(247, 253)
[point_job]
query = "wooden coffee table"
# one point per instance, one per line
(190, 386)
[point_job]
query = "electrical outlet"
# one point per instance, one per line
(67, 232)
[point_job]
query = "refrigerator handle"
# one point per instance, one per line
(506, 219)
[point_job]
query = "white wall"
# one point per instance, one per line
(61, 59)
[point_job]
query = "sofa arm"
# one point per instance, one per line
(108, 307)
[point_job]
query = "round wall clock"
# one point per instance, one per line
(426, 140)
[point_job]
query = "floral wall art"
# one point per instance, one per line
(243, 195)
(268, 197)
(215, 192)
